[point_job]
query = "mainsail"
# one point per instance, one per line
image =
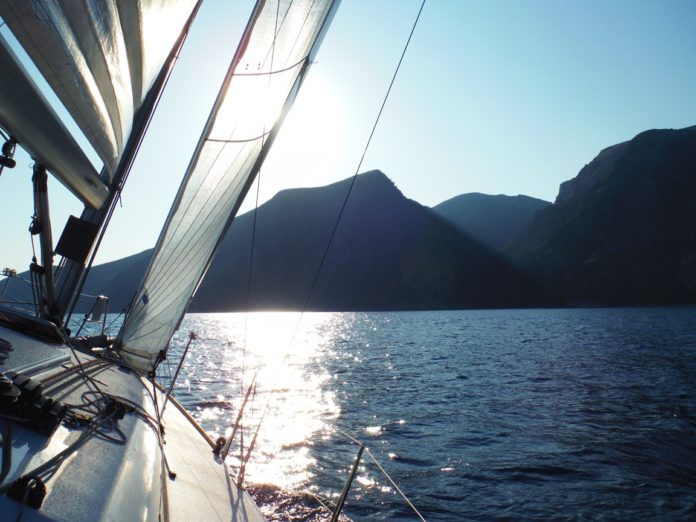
(262, 81)
(100, 58)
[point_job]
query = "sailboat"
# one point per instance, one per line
(87, 432)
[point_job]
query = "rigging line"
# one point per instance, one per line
(190, 236)
(304, 23)
(232, 67)
(278, 28)
(410, 504)
(83, 373)
(178, 224)
(249, 277)
(174, 263)
(346, 435)
(357, 171)
(322, 502)
(108, 327)
(233, 141)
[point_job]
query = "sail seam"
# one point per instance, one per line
(278, 71)
(247, 140)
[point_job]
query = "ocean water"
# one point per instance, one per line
(476, 415)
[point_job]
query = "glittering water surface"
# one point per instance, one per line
(519, 414)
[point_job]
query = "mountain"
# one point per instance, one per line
(118, 280)
(492, 220)
(623, 231)
(388, 253)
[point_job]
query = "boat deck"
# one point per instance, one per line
(112, 468)
(190, 456)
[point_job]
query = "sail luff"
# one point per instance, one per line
(229, 155)
(201, 141)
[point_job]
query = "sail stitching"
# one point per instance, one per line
(277, 71)
(213, 162)
(187, 244)
(255, 138)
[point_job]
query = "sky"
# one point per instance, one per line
(495, 96)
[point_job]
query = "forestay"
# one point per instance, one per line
(99, 57)
(277, 47)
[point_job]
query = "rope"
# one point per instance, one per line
(249, 280)
(108, 327)
(352, 183)
(324, 255)
(59, 457)
(362, 158)
(346, 435)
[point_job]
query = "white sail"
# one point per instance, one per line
(262, 81)
(100, 57)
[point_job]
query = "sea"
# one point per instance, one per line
(543, 414)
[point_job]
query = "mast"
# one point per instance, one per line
(41, 225)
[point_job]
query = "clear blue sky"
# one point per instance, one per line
(500, 97)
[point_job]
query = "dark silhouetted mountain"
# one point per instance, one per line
(492, 220)
(623, 231)
(388, 253)
(118, 279)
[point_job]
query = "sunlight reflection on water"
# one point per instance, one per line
(521, 414)
(290, 401)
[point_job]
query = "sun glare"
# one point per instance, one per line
(290, 401)
(303, 153)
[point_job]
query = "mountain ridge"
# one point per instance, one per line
(623, 231)
(494, 220)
